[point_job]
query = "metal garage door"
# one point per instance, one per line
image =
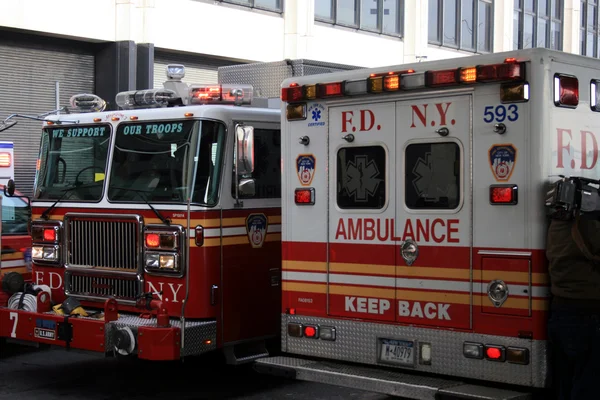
(28, 76)
(198, 69)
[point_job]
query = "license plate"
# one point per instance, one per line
(400, 352)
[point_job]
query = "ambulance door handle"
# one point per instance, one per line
(443, 131)
(349, 138)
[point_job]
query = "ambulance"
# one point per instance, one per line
(156, 227)
(414, 225)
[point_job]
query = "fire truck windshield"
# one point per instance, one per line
(72, 161)
(157, 159)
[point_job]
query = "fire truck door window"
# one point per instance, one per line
(210, 158)
(361, 174)
(267, 164)
(432, 176)
(15, 215)
(72, 158)
(153, 158)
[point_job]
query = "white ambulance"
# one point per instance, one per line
(414, 227)
(7, 165)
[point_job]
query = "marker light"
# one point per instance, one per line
(334, 89)
(296, 112)
(441, 78)
(494, 353)
(152, 240)
(311, 331)
(504, 194)
(595, 94)
(375, 84)
(5, 159)
(355, 87)
(149, 98)
(514, 92)
(473, 350)
(292, 93)
(49, 235)
(310, 92)
(87, 103)
(391, 83)
(468, 75)
(412, 81)
(305, 196)
(199, 235)
(566, 91)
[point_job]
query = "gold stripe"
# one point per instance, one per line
(275, 219)
(450, 273)
(304, 287)
(20, 270)
(13, 256)
(304, 266)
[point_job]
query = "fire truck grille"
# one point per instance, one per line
(90, 287)
(106, 244)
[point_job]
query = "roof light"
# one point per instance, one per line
(514, 92)
(375, 84)
(175, 72)
(566, 91)
(148, 98)
(503, 194)
(310, 92)
(87, 103)
(412, 81)
(441, 78)
(391, 83)
(468, 75)
(305, 196)
(333, 89)
(355, 87)
(501, 72)
(223, 94)
(292, 93)
(5, 159)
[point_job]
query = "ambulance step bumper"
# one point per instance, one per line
(387, 382)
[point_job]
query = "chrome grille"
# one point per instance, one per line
(108, 243)
(90, 286)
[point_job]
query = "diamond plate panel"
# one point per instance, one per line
(356, 341)
(266, 78)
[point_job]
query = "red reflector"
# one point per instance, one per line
(49, 235)
(493, 353)
(5, 160)
(566, 90)
(305, 196)
(330, 89)
(503, 194)
(198, 235)
(440, 78)
(152, 240)
(309, 331)
(292, 94)
(292, 311)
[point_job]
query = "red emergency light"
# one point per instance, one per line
(305, 196)
(566, 91)
(49, 235)
(503, 194)
(334, 89)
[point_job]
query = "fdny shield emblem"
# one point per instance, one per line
(256, 227)
(305, 166)
(502, 161)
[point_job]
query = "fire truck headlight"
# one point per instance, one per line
(50, 253)
(152, 260)
(37, 253)
(167, 261)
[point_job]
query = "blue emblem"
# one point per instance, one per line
(305, 167)
(256, 227)
(502, 158)
(317, 114)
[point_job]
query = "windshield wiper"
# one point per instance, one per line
(46, 212)
(164, 220)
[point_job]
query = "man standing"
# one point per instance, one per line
(573, 251)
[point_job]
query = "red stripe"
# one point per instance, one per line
(304, 251)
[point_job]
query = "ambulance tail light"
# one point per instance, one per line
(305, 196)
(295, 112)
(162, 249)
(495, 353)
(293, 93)
(326, 90)
(222, 94)
(514, 92)
(442, 78)
(311, 331)
(566, 91)
(5, 159)
(150, 98)
(503, 194)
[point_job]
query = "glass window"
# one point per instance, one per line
(382, 16)
(210, 159)
(361, 174)
(466, 24)
(15, 216)
(267, 164)
(274, 5)
(72, 163)
(589, 28)
(538, 24)
(432, 178)
(152, 160)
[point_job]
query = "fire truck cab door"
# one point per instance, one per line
(433, 209)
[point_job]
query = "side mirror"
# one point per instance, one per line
(247, 188)
(245, 149)
(9, 189)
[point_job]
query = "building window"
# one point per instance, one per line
(461, 24)
(381, 16)
(589, 28)
(270, 5)
(538, 23)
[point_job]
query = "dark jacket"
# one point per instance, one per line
(572, 274)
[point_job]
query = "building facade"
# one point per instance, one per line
(50, 50)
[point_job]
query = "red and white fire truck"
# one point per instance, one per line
(157, 227)
(414, 221)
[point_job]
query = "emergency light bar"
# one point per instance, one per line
(149, 98)
(222, 94)
(509, 71)
(87, 103)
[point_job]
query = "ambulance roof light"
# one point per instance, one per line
(86, 102)
(149, 98)
(175, 72)
(221, 94)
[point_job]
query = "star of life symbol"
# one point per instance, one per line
(361, 178)
(428, 184)
(316, 115)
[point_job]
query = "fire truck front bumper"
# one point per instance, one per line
(110, 333)
(389, 382)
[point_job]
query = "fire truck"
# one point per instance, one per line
(156, 228)
(414, 230)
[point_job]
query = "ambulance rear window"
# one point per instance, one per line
(361, 173)
(432, 176)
